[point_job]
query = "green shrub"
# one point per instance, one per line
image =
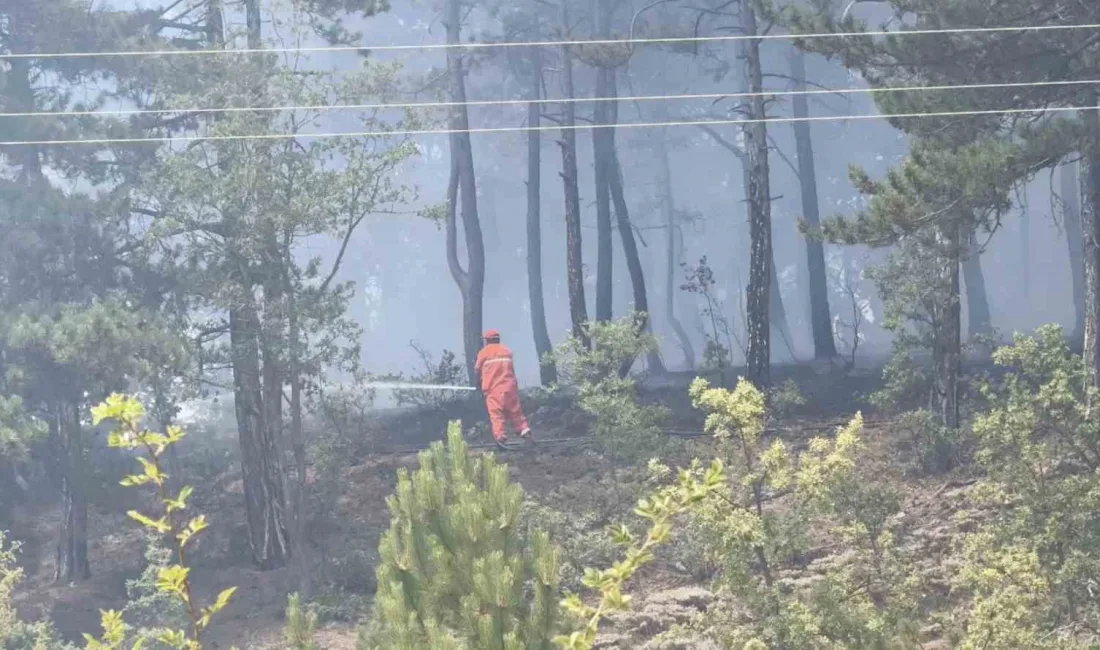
(300, 630)
(1030, 569)
(693, 487)
(625, 428)
(760, 529)
(173, 578)
(16, 634)
(928, 445)
(457, 570)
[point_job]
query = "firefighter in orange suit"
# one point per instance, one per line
(497, 378)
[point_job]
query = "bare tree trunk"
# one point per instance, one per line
(471, 282)
(980, 322)
(672, 257)
(548, 372)
(260, 466)
(821, 319)
(626, 231)
(1070, 177)
(1091, 232)
(759, 202)
(1025, 250)
(578, 309)
(601, 150)
(72, 540)
(946, 354)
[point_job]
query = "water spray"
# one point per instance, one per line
(405, 386)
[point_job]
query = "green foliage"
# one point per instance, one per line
(927, 444)
(147, 607)
(16, 634)
(699, 279)
(456, 570)
(694, 485)
(300, 630)
(18, 429)
(786, 398)
(624, 427)
(1031, 569)
(172, 579)
(776, 505)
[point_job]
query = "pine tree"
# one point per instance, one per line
(1048, 57)
(456, 570)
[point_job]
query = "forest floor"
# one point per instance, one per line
(350, 515)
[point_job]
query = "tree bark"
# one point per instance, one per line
(759, 203)
(260, 467)
(72, 540)
(672, 257)
(946, 354)
(578, 309)
(1070, 177)
(626, 234)
(979, 320)
(471, 283)
(1091, 232)
(548, 372)
(602, 154)
(821, 320)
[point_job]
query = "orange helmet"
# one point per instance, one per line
(491, 334)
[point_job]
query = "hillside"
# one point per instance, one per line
(569, 487)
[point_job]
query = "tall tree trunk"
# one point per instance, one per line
(548, 372)
(602, 154)
(1025, 250)
(261, 467)
(672, 257)
(759, 202)
(946, 354)
(821, 320)
(979, 320)
(626, 230)
(297, 441)
(1091, 232)
(72, 540)
(602, 172)
(1070, 177)
(471, 283)
(578, 309)
(261, 471)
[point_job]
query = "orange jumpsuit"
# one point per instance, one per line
(501, 390)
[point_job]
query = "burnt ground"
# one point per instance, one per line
(351, 515)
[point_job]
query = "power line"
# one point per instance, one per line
(523, 129)
(512, 44)
(562, 100)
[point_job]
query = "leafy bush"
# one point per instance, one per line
(759, 532)
(693, 487)
(300, 629)
(625, 428)
(457, 570)
(173, 579)
(147, 607)
(1031, 570)
(16, 634)
(928, 445)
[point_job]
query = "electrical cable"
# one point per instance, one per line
(560, 43)
(562, 100)
(524, 129)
